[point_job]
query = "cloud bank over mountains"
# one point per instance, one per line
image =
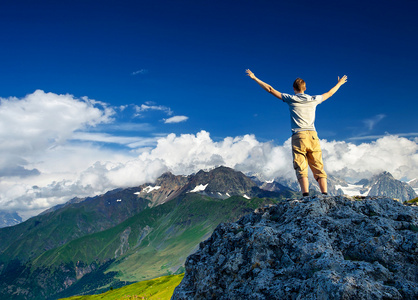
(52, 151)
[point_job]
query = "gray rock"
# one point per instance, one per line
(311, 248)
(386, 185)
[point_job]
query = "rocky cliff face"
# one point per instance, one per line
(165, 188)
(222, 182)
(312, 248)
(386, 185)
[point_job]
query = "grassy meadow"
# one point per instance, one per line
(161, 288)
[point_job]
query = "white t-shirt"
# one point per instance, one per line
(302, 109)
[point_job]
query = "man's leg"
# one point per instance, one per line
(316, 164)
(304, 185)
(300, 162)
(322, 181)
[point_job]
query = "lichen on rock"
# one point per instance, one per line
(311, 248)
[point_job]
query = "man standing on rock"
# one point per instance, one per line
(305, 143)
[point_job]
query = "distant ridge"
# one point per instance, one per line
(9, 218)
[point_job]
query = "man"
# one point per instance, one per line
(305, 143)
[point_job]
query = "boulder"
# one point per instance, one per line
(311, 248)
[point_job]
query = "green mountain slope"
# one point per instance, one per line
(154, 242)
(57, 227)
(176, 234)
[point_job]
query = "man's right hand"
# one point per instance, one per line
(335, 88)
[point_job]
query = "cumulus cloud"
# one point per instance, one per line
(397, 155)
(176, 119)
(32, 125)
(35, 128)
(187, 153)
(39, 119)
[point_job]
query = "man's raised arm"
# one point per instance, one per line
(264, 85)
(335, 88)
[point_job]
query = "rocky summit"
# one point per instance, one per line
(311, 248)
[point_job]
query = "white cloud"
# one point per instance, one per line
(31, 126)
(394, 154)
(189, 153)
(150, 107)
(129, 141)
(127, 126)
(176, 119)
(123, 107)
(40, 119)
(34, 131)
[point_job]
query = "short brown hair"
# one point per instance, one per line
(299, 85)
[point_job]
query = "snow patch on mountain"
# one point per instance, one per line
(149, 189)
(199, 188)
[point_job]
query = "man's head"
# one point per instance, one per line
(299, 86)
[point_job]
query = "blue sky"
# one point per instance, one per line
(138, 71)
(190, 56)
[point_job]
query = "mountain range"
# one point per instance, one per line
(88, 245)
(383, 184)
(126, 235)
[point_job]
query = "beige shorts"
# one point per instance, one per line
(307, 151)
